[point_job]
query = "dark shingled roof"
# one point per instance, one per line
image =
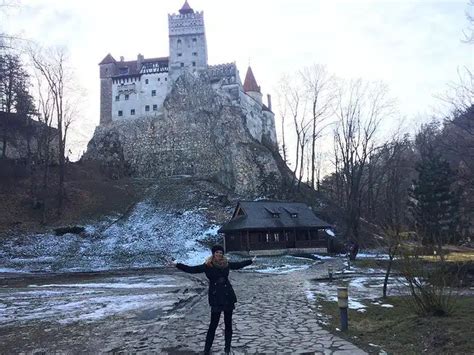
(260, 215)
(250, 84)
(186, 9)
(124, 69)
(108, 59)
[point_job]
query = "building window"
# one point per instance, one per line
(155, 107)
(195, 40)
(179, 41)
(132, 112)
(194, 64)
(120, 113)
(153, 92)
(180, 54)
(195, 54)
(276, 237)
(166, 79)
(146, 81)
(147, 108)
(182, 65)
(117, 98)
(294, 215)
(159, 79)
(275, 215)
(126, 97)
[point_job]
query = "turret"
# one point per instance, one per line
(187, 41)
(251, 87)
(107, 70)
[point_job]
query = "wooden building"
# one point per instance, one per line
(274, 226)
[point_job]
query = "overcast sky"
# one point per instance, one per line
(413, 45)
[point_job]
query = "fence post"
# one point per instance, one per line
(343, 303)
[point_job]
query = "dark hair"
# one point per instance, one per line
(216, 248)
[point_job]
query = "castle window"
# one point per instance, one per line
(195, 54)
(159, 79)
(182, 65)
(194, 39)
(180, 54)
(117, 98)
(120, 113)
(126, 97)
(179, 41)
(146, 81)
(132, 112)
(166, 79)
(194, 64)
(147, 108)
(153, 92)
(155, 107)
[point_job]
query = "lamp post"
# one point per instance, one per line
(330, 273)
(343, 303)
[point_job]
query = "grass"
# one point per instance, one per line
(399, 330)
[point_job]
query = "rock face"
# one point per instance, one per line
(201, 132)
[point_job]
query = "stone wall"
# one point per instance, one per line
(200, 133)
(20, 137)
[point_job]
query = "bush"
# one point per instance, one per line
(429, 285)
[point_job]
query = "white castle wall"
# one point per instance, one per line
(140, 95)
(187, 42)
(253, 115)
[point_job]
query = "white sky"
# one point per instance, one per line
(413, 45)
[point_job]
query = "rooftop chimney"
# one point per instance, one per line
(140, 59)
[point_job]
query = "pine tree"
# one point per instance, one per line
(435, 204)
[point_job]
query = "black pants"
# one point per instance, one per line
(215, 316)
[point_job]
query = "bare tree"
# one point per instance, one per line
(52, 67)
(396, 167)
(360, 109)
(294, 103)
(469, 32)
(319, 88)
(283, 112)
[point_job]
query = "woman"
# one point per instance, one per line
(221, 294)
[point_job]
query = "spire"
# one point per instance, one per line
(186, 9)
(250, 84)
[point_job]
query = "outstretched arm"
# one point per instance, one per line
(191, 269)
(240, 264)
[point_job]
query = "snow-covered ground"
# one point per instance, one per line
(92, 300)
(364, 286)
(279, 264)
(148, 237)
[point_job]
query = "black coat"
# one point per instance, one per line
(221, 292)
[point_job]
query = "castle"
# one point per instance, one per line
(138, 88)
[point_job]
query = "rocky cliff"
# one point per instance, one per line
(200, 132)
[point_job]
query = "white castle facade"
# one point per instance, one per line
(138, 88)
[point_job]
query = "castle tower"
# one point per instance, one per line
(187, 41)
(251, 87)
(107, 70)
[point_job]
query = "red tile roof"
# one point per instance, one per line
(250, 84)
